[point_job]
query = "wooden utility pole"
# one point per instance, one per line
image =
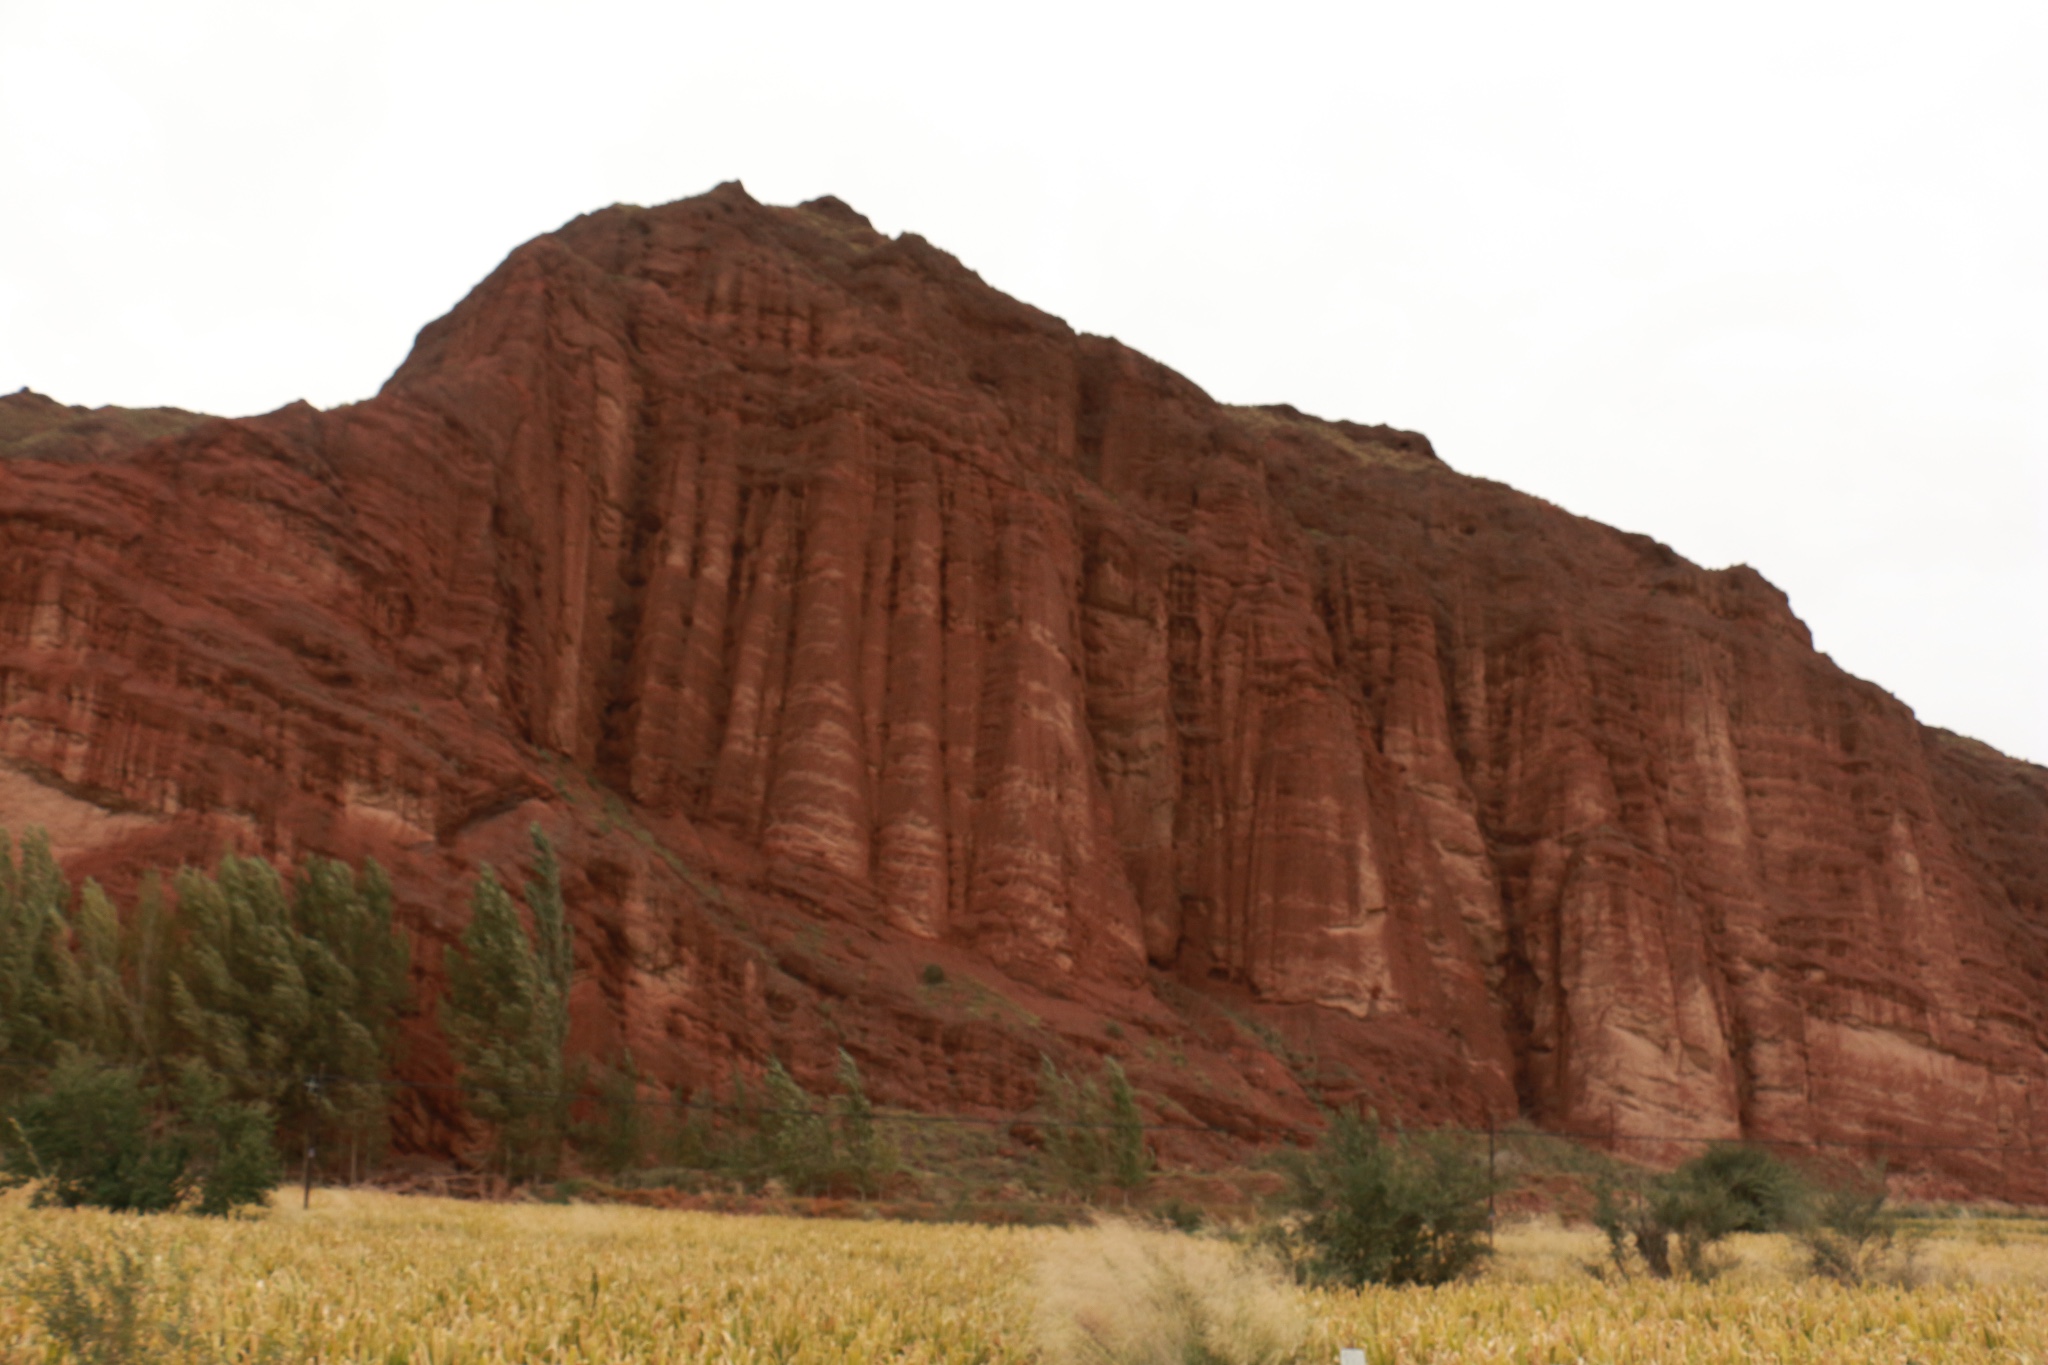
(312, 1137)
(1492, 1182)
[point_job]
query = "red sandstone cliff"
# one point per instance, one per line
(839, 615)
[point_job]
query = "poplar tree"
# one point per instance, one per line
(1096, 1133)
(100, 1016)
(864, 1158)
(146, 946)
(239, 999)
(507, 1015)
(1129, 1159)
(246, 993)
(555, 951)
(355, 965)
(795, 1142)
(36, 969)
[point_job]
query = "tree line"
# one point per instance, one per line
(162, 1056)
(169, 1055)
(172, 1053)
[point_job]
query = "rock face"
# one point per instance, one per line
(840, 615)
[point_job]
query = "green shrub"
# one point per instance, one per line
(92, 1137)
(688, 1137)
(96, 1135)
(617, 1139)
(1672, 1223)
(1364, 1209)
(230, 1159)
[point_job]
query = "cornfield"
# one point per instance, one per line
(364, 1277)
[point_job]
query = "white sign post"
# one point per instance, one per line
(1350, 1355)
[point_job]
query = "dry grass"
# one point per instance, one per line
(1967, 1301)
(1121, 1295)
(1960, 1253)
(1582, 1320)
(379, 1278)
(366, 1277)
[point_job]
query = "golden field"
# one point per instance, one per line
(365, 1277)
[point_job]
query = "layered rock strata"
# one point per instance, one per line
(840, 615)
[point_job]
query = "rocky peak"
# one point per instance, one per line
(839, 615)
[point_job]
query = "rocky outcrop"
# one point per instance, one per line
(33, 427)
(840, 615)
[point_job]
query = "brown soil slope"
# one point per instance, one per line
(840, 615)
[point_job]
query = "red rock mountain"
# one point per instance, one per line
(839, 615)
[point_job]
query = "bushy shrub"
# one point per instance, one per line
(89, 1137)
(96, 1135)
(1851, 1233)
(1672, 1223)
(688, 1134)
(615, 1138)
(1367, 1209)
(230, 1160)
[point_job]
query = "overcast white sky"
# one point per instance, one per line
(1766, 281)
